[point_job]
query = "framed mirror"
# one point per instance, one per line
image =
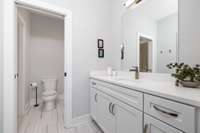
(150, 35)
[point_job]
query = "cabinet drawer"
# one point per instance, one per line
(130, 97)
(176, 114)
(152, 125)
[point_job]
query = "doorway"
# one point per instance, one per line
(145, 54)
(10, 58)
(40, 80)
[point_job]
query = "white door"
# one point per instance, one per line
(152, 125)
(128, 119)
(20, 96)
(21, 67)
(105, 118)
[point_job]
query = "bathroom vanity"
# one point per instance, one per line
(124, 105)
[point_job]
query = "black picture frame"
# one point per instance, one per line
(100, 43)
(101, 53)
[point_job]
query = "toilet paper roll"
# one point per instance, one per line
(33, 84)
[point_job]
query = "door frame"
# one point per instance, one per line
(9, 59)
(138, 49)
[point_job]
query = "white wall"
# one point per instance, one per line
(167, 30)
(103, 29)
(47, 51)
(9, 84)
(116, 14)
(1, 63)
(133, 22)
(189, 31)
(88, 22)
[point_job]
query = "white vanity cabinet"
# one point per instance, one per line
(112, 115)
(118, 109)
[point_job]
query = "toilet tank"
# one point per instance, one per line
(49, 84)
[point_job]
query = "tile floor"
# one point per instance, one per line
(38, 121)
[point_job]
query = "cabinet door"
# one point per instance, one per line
(94, 102)
(105, 118)
(128, 119)
(152, 125)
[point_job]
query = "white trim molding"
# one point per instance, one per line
(10, 61)
(81, 120)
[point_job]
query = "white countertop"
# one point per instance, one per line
(165, 89)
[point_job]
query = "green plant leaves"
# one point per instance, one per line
(185, 72)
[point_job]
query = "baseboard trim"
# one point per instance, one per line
(84, 119)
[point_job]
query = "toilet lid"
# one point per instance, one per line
(49, 93)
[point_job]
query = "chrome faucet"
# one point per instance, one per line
(136, 70)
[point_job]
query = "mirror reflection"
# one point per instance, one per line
(145, 54)
(150, 35)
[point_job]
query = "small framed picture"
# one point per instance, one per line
(101, 53)
(100, 43)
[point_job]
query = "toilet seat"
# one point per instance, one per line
(49, 98)
(49, 94)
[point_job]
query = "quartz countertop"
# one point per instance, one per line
(165, 89)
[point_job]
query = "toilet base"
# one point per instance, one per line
(49, 105)
(36, 105)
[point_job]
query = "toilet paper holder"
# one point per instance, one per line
(35, 86)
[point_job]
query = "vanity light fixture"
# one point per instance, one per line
(129, 3)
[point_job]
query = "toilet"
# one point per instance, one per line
(49, 94)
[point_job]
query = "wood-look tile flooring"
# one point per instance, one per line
(39, 121)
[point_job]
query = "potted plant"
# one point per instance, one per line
(186, 75)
